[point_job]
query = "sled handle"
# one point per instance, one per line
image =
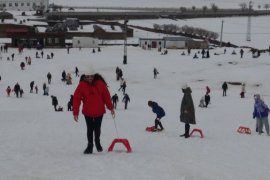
(115, 127)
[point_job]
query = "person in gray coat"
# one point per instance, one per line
(187, 111)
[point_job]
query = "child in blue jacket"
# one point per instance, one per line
(159, 112)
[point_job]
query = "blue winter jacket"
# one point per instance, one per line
(260, 109)
(158, 110)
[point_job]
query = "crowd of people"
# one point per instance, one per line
(93, 93)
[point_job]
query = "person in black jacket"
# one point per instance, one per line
(17, 89)
(115, 100)
(224, 87)
(32, 86)
(207, 99)
(54, 102)
(125, 100)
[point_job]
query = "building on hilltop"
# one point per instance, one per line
(24, 5)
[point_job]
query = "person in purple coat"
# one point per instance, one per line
(261, 112)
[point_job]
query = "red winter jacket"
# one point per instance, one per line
(94, 97)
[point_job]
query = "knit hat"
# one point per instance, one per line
(91, 70)
(257, 96)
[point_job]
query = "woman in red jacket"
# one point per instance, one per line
(93, 92)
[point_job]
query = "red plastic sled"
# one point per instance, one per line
(244, 130)
(122, 141)
(150, 129)
(197, 130)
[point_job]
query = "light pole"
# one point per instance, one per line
(125, 43)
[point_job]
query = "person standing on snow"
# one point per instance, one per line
(115, 100)
(261, 112)
(224, 87)
(32, 86)
(243, 90)
(159, 111)
(54, 102)
(125, 100)
(187, 111)
(155, 71)
(92, 91)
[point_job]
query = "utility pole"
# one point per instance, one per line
(221, 33)
(125, 43)
(249, 22)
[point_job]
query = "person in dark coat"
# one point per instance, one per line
(49, 77)
(241, 53)
(22, 65)
(115, 100)
(64, 76)
(117, 73)
(77, 71)
(207, 99)
(125, 100)
(17, 89)
(52, 54)
(187, 110)
(159, 111)
(155, 71)
(44, 88)
(32, 86)
(224, 87)
(70, 103)
(54, 102)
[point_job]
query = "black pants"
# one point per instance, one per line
(93, 126)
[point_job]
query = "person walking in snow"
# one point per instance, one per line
(241, 53)
(32, 86)
(155, 71)
(70, 103)
(64, 75)
(243, 90)
(187, 110)
(92, 91)
(115, 100)
(207, 100)
(8, 90)
(76, 71)
(17, 89)
(54, 102)
(261, 111)
(159, 111)
(36, 89)
(126, 100)
(224, 88)
(123, 85)
(49, 77)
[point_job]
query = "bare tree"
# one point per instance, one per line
(266, 6)
(243, 6)
(214, 7)
(204, 8)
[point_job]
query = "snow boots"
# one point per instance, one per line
(89, 149)
(158, 123)
(186, 134)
